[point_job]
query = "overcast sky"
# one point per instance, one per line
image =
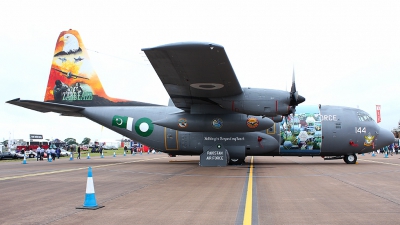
(344, 52)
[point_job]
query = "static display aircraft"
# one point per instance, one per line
(208, 109)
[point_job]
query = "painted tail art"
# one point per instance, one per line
(73, 84)
(72, 79)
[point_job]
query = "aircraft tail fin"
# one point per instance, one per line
(73, 81)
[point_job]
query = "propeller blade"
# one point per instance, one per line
(295, 98)
(293, 88)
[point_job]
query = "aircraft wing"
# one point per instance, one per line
(64, 110)
(194, 72)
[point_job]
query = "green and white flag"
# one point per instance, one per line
(122, 122)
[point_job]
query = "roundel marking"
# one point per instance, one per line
(217, 123)
(144, 127)
(182, 122)
(207, 86)
(252, 122)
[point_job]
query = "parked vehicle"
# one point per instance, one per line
(33, 145)
(65, 153)
(19, 155)
(11, 155)
(109, 147)
(28, 153)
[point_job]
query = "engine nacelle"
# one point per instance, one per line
(277, 119)
(260, 102)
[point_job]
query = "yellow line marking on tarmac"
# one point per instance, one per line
(74, 169)
(393, 164)
(248, 210)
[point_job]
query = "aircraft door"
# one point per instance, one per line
(170, 139)
(336, 129)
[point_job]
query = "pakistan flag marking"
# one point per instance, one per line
(144, 127)
(122, 122)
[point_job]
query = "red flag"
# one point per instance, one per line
(378, 113)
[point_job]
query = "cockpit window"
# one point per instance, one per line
(362, 116)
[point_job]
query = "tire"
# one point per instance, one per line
(228, 160)
(350, 159)
(236, 161)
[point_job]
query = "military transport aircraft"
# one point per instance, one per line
(208, 109)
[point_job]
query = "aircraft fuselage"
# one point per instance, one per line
(328, 131)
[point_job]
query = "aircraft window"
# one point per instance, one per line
(362, 116)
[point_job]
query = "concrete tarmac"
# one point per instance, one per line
(157, 189)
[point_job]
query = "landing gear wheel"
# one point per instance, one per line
(236, 161)
(350, 159)
(228, 158)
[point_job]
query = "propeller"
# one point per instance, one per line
(295, 98)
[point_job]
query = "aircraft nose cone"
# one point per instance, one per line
(384, 138)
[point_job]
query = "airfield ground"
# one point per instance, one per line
(157, 189)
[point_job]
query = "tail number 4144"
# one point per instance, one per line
(360, 130)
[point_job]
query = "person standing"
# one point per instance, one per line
(72, 150)
(53, 154)
(41, 153)
(48, 154)
(58, 152)
(38, 154)
(391, 149)
(79, 153)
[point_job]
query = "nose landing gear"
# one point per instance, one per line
(350, 159)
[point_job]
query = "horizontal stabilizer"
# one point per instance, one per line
(171, 103)
(64, 110)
